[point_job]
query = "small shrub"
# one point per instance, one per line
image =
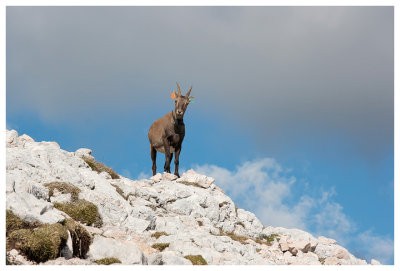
(81, 238)
(158, 234)
(270, 238)
(321, 260)
(81, 210)
(160, 246)
(196, 259)
(41, 244)
(100, 167)
(238, 238)
(64, 188)
(14, 223)
(107, 261)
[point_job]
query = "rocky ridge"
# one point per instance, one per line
(164, 220)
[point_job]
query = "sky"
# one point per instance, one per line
(293, 112)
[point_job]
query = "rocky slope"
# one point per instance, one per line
(163, 220)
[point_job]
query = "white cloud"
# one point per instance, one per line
(376, 246)
(263, 187)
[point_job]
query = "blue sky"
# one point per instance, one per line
(293, 110)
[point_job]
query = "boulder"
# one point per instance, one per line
(127, 252)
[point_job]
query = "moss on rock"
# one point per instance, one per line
(81, 210)
(14, 223)
(41, 244)
(196, 259)
(107, 261)
(64, 188)
(160, 246)
(100, 167)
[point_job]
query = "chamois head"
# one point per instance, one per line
(181, 102)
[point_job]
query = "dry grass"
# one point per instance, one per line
(160, 246)
(14, 223)
(64, 188)
(81, 210)
(158, 234)
(41, 244)
(196, 259)
(100, 167)
(107, 261)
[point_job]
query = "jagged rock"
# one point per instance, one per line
(14, 258)
(64, 261)
(29, 208)
(169, 177)
(192, 214)
(326, 241)
(156, 178)
(375, 262)
(67, 250)
(11, 138)
(192, 177)
(331, 261)
(127, 252)
(83, 152)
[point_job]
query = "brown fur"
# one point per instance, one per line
(166, 134)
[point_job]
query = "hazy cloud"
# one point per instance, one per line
(265, 188)
(328, 69)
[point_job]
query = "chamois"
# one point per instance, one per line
(166, 134)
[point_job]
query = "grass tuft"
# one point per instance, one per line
(158, 234)
(14, 223)
(107, 261)
(64, 188)
(269, 238)
(100, 167)
(196, 259)
(81, 210)
(160, 246)
(119, 191)
(41, 244)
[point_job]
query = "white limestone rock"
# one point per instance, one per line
(127, 252)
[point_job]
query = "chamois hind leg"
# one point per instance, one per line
(168, 156)
(153, 154)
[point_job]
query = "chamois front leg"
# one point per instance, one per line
(153, 154)
(168, 156)
(177, 153)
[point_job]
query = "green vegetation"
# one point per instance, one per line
(40, 244)
(100, 167)
(81, 238)
(14, 223)
(322, 260)
(270, 238)
(243, 239)
(81, 210)
(64, 188)
(158, 234)
(160, 246)
(196, 259)
(107, 261)
(189, 183)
